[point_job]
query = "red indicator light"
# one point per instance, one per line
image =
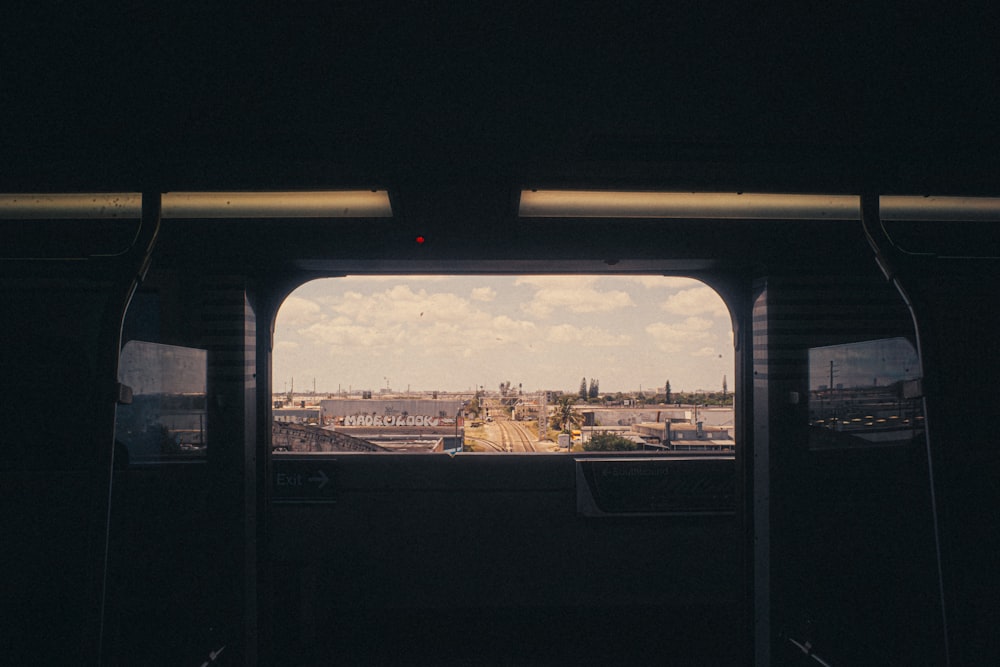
(420, 240)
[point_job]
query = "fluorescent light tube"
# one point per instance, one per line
(327, 204)
(939, 209)
(62, 206)
(750, 206)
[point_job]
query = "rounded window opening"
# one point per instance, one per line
(504, 364)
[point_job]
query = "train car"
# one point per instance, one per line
(170, 180)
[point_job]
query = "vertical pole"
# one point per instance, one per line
(136, 264)
(881, 245)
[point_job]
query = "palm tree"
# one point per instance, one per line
(564, 415)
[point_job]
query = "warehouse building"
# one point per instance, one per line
(399, 424)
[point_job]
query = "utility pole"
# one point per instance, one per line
(543, 415)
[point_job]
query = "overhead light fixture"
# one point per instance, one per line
(939, 209)
(749, 206)
(324, 204)
(70, 206)
(752, 206)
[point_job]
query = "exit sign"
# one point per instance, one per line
(303, 480)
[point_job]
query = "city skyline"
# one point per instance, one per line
(457, 333)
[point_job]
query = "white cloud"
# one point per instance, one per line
(297, 312)
(663, 282)
(400, 304)
(455, 331)
(408, 280)
(520, 329)
(585, 337)
(557, 281)
(484, 294)
(421, 321)
(696, 301)
(479, 333)
(341, 332)
(574, 294)
(676, 336)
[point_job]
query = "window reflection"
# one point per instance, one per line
(166, 418)
(864, 394)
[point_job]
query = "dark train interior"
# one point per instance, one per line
(831, 174)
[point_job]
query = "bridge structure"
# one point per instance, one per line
(305, 438)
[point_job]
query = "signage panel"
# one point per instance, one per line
(306, 480)
(650, 487)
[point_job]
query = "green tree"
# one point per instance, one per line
(564, 415)
(473, 408)
(594, 388)
(583, 388)
(609, 442)
(666, 391)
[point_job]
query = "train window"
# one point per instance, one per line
(166, 417)
(864, 394)
(500, 363)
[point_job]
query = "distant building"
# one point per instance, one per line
(700, 438)
(526, 410)
(389, 412)
(623, 416)
(673, 436)
(697, 431)
(297, 415)
(398, 424)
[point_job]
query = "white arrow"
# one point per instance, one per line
(321, 478)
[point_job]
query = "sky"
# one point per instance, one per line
(864, 364)
(455, 333)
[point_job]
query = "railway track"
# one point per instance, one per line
(506, 436)
(515, 438)
(491, 444)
